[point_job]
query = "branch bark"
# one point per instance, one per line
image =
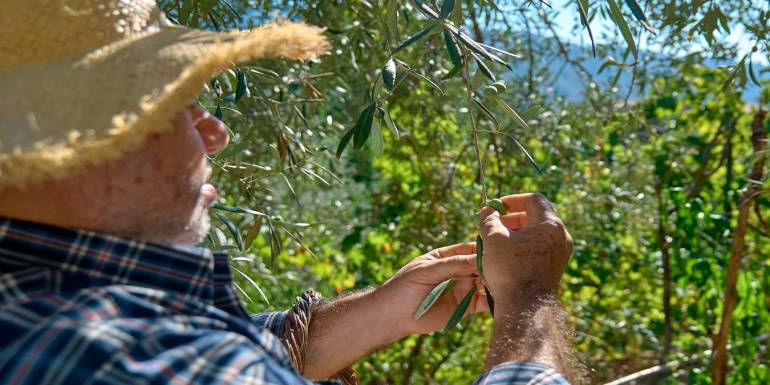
(758, 141)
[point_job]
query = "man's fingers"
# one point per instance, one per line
(515, 221)
(491, 224)
(536, 206)
(449, 267)
(457, 249)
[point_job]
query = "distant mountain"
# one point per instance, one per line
(571, 86)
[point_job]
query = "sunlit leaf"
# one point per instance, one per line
(531, 113)
(515, 118)
(254, 284)
(431, 298)
(377, 142)
(237, 210)
(389, 122)
(617, 17)
(389, 74)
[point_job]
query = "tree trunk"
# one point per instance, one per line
(758, 141)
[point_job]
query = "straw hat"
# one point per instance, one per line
(85, 81)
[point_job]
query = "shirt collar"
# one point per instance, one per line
(106, 259)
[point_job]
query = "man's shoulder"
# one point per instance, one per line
(116, 330)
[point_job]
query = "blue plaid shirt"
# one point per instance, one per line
(78, 307)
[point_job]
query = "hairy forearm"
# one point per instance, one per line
(533, 329)
(344, 330)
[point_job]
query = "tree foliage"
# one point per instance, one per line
(342, 170)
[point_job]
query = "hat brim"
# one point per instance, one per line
(66, 115)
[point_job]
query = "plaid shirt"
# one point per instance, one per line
(77, 307)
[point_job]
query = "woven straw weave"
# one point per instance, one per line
(86, 81)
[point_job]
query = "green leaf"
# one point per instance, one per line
(389, 74)
(446, 8)
(531, 113)
(253, 284)
(478, 49)
(237, 210)
(364, 127)
(241, 87)
(462, 307)
(431, 298)
(233, 230)
(486, 111)
(218, 112)
(498, 205)
(638, 12)
(617, 17)
(490, 300)
(451, 47)
(377, 142)
(583, 10)
(389, 122)
(345, 140)
(526, 154)
(425, 79)
(515, 118)
(416, 37)
(479, 255)
(753, 75)
(483, 68)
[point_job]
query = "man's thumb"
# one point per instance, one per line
(490, 223)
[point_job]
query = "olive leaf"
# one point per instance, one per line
(617, 17)
(416, 37)
(483, 68)
(432, 298)
(638, 12)
(389, 74)
(583, 10)
(233, 230)
(451, 47)
(490, 300)
(446, 8)
(389, 122)
(498, 205)
(515, 118)
(462, 307)
(241, 87)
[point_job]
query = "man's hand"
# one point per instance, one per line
(525, 251)
(352, 326)
(404, 292)
(525, 254)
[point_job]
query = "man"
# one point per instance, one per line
(103, 181)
